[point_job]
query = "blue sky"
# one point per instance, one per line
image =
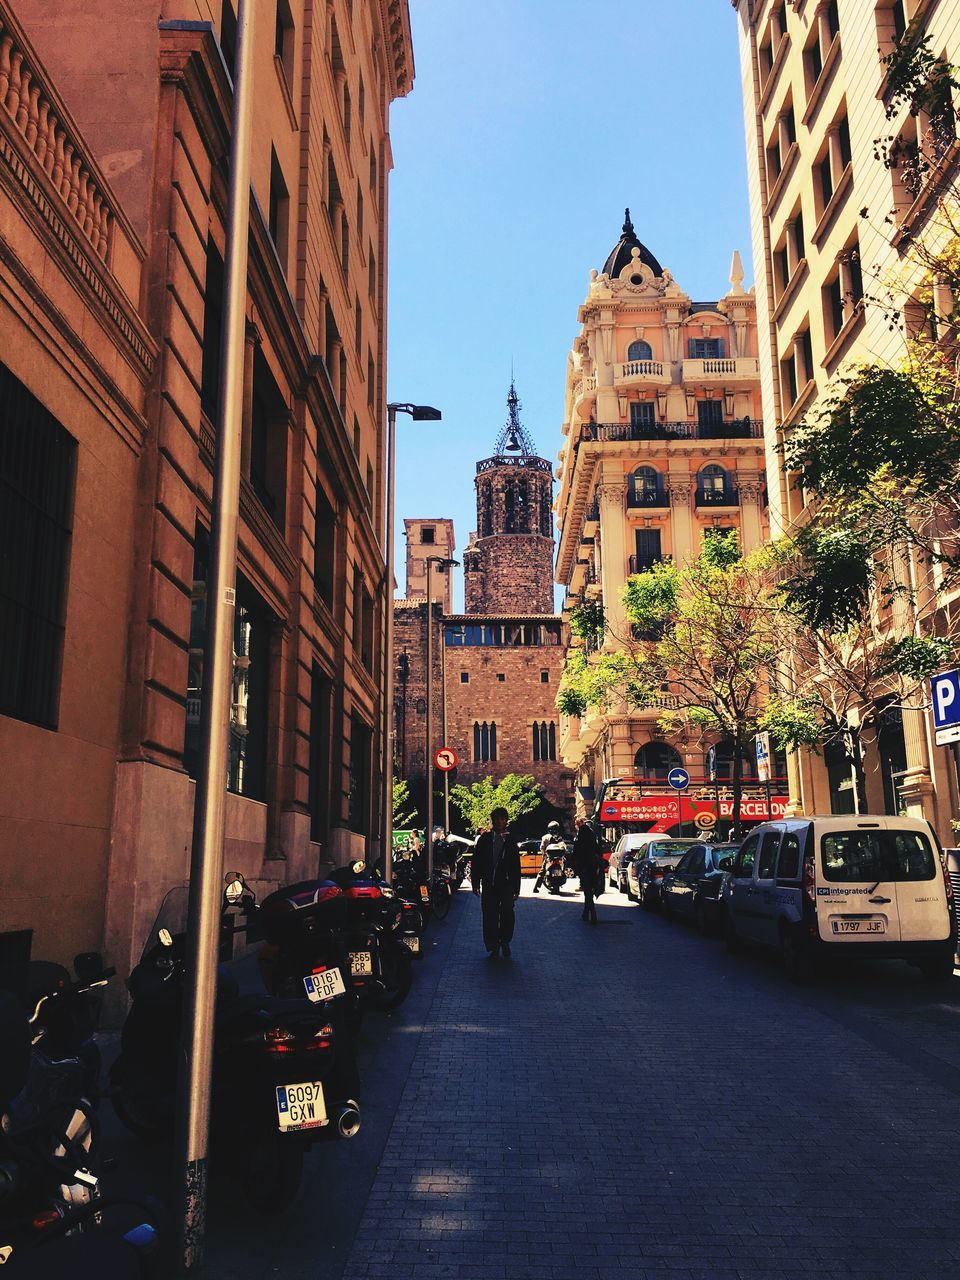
(531, 124)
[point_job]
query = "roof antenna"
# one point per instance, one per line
(627, 224)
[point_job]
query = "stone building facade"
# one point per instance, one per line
(112, 209)
(497, 666)
(829, 220)
(426, 538)
(663, 445)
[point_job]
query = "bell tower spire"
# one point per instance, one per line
(513, 438)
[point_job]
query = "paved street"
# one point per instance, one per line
(629, 1100)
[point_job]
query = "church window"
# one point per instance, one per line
(484, 741)
(464, 677)
(428, 534)
(544, 677)
(544, 740)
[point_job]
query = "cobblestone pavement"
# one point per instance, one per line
(631, 1101)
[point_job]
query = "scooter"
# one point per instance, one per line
(556, 876)
(414, 895)
(283, 1076)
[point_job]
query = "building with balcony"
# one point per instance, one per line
(826, 212)
(663, 445)
(115, 143)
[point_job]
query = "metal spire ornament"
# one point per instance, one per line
(513, 438)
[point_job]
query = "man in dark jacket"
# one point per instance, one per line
(495, 876)
(588, 865)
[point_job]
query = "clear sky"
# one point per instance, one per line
(531, 124)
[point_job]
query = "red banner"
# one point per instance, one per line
(662, 811)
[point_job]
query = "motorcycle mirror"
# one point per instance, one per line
(165, 938)
(233, 892)
(357, 867)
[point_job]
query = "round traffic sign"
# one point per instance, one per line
(679, 779)
(445, 759)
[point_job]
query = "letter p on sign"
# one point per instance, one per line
(945, 691)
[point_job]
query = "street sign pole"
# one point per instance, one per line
(680, 814)
(679, 779)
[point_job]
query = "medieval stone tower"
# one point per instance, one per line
(508, 566)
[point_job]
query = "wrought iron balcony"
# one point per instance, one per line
(652, 497)
(593, 511)
(617, 432)
(642, 564)
(728, 496)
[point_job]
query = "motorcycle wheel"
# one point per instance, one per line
(270, 1168)
(440, 901)
(146, 1122)
(396, 971)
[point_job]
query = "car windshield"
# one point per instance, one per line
(870, 857)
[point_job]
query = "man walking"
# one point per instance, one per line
(588, 864)
(495, 876)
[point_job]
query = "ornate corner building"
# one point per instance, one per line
(496, 666)
(663, 445)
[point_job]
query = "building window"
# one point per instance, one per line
(484, 741)
(544, 740)
(359, 800)
(324, 545)
(464, 677)
(362, 620)
(709, 413)
(648, 551)
(212, 333)
(643, 487)
(501, 677)
(642, 413)
(372, 274)
(228, 36)
(321, 697)
(284, 41)
(371, 379)
(706, 348)
(544, 677)
(654, 760)
(279, 209)
(268, 441)
(639, 350)
(37, 478)
(428, 535)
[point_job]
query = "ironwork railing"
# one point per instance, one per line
(652, 497)
(593, 511)
(525, 460)
(725, 497)
(617, 432)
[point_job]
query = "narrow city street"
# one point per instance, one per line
(630, 1100)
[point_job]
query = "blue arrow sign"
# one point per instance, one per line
(679, 779)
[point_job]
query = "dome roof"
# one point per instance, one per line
(621, 255)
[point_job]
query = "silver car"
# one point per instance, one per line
(626, 849)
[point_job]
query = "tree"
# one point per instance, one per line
(517, 793)
(710, 633)
(403, 817)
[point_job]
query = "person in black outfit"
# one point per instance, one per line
(588, 865)
(495, 876)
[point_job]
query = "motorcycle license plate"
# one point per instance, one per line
(324, 986)
(424, 893)
(361, 963)
(300, 1106)
(413, 943)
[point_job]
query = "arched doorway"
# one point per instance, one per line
(654, 760)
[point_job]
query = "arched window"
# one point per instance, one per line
(544, 740)
(644, 483)
(712, 479)
(654, 761)
(484, 741)
(639, 350)
(723, 758)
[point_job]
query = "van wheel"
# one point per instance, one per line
(730, 936)
(797, 961)
(939, 969)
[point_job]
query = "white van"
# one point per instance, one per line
(815, 886)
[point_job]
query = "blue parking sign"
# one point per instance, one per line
(945, 695)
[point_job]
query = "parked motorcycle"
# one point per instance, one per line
(282, 1075)
(49, 1070)
(309, 923)
(413, 892)
(556, 876)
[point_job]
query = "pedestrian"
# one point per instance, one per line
(588, 865)
(552, 836)
(495, 877)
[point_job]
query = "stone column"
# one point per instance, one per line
(783, 138)
(794, 249)
(679, 484)
(610, 494)
(620, 746)
(750, 487)
(836, 154)
(824, 34)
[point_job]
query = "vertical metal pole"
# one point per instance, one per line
(429, 751)
(680, 814)
(206, 868)
(443, 730)
(388, 711)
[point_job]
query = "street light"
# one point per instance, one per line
(443, 564)
(419, 413)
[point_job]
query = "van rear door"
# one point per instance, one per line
(921, 896)
(856, 885)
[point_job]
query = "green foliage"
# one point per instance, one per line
(831, 587)
(792, 723)
(588, 621)
(403, 817)
(917, 657)
(517, 793)
(720, 550)
(570, 701)
(917, 78)
(650, 598)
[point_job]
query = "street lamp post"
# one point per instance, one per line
(419, 413)
(442, 563)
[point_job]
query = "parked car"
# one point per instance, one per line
(530, 856)
(624, 851)
(646, 871)
(692, 888)
(848, 885)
